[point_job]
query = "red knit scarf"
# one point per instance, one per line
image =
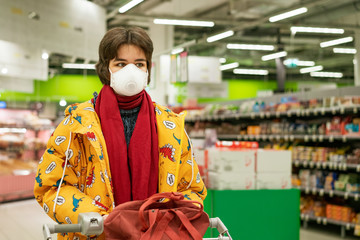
(134, 170)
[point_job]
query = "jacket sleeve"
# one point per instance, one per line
(190, 182)
(71, 201)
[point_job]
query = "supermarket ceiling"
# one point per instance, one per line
(249, 19)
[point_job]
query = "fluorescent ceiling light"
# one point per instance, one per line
(311, 69)
(306, 63)
(317, 30)
(345, 50)
(336, 42)
(327, 74)
(250, 47)
(62, 102)
(229, 66)
(251, 71)
(129, 5)
(288, 14)
(184, 22)
(4, 70)
(222, 60)
(220, 36)
(44, 55)
(274, 55)
(78, 66)
(177, 50)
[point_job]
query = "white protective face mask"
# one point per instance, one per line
(129, 80)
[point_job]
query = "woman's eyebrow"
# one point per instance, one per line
(140, 60)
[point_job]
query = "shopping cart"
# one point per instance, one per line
(93, 224)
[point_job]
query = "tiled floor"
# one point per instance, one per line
(23, 220)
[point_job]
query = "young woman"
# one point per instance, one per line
(119, 146)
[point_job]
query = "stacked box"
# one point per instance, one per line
(231, 169)
(273, 169)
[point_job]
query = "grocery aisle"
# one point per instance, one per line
(24, 220)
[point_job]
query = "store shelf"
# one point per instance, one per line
(325, 221)
(327, 165)
(288, 137)
(321, 192)
(344, 110)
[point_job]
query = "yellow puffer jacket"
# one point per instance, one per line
(84, 185)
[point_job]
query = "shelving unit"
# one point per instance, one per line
(235, 119)
(23, 138)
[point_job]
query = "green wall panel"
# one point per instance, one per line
(258, 214)
(73, 88)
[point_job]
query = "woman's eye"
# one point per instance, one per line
(139, 65)
(121, 64)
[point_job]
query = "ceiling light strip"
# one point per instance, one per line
(220, 36)
(311, 69)
(184, 22)
(274, 55)
(229, 66)
(336, 42)
(317, 30)
(345, 50)
(288, 14)
(250, 47)
(129, 5)
(327, 74)
(251, 71)
(78, 66)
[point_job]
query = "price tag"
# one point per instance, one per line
(311, 164)
(324, 164)
(315, 112)
(252, 115)
(306, 138)
(342, 110)
(314, 191)
(237, 116)
(336, 166)
(318, 165)
(331, 165)
(331, 138)
(305, 163)
(348, 226)
(257, 137)
(358, 168)
(322, 111)
(278, 137)
(321, 138)
(263, 137)
(318, 220)
(262, 115)
(324, 221)
(277, 114)
(307, 112)
(216, 117)
(271, 137)
(298, 112)
(292, 137)
(286, 137)
(331, 193)
(314, 138)
(251, 137)
(355, 110)
(297, 163)
(356, 197)
(321, 192)
(344, 167)
(302, 216)
(307, 190)
(344, 138)
(268, 114)
(333, 111)
(306, 217)
(346, 195)
(223, 117)
(246, 137)
(303, 113)
(289, 113)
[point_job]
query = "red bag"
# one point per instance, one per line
(149, 219)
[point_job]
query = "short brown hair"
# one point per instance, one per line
(111, 42)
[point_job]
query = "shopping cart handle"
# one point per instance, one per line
(88, 224)
(220, 226)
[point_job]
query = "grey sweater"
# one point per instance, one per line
(129, 118)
